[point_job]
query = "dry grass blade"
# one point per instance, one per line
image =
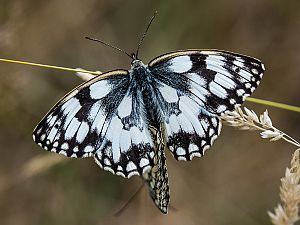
(286, 213)
(249, 120)
(32, 168)
(85, 76)
(40, 164)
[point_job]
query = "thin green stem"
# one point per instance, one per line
(49, 66)
(274, 104)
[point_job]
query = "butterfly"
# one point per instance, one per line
(127, 119)
(178, 98)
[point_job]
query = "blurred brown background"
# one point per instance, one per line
(238, 179)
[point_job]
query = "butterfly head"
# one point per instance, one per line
(136, 63)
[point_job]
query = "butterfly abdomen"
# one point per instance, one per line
(157, 178)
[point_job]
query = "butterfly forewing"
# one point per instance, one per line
(196, 87)
(216, 80)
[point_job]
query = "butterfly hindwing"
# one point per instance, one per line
(127, 148)
(192, 139)
(196, 87)
(95, 119)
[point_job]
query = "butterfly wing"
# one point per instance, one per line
(96, 119)
(196, 87)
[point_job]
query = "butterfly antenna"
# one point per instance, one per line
(109, 45)
(144, 34)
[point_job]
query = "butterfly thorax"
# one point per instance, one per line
(141, 77)
(145, 86)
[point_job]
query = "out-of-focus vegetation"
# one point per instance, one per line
(238, 179)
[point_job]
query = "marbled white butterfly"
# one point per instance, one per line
(126, 119)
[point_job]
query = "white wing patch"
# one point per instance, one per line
(125, 141)
(98, 120)
(180, 64)
(217, 90)
(82, 132)
(169, 94)
(224, 81)
(197, 79)
(72, 129)
(191, 110)
(125, 107)
(99, 89)
(70, 108)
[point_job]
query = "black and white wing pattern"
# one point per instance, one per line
(100, 119)
(195, 88)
